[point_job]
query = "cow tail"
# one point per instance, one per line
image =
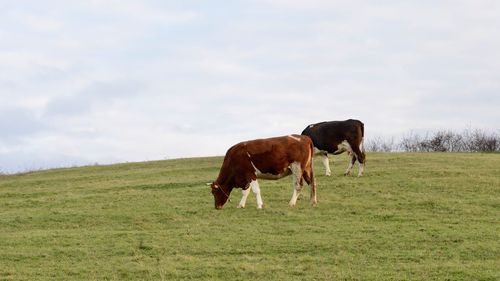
(362, 137)
(311, 151)
(311, 158)
(313, 195)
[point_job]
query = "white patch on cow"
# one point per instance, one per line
(268, 176)
(295, 138)
(256, 190)
(344, 146)
(296, 176)
(249, 155)
(318, 151)
(244, 196)
(326, 163)
(257, 171)
(361, 169)
(254, 186)
(324, 159)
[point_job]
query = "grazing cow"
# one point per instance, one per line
(272, 158)
(336, 137)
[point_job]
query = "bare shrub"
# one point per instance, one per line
(469, 140)
(410, 142)
(379, 144)
(476, 140)
(445, 141)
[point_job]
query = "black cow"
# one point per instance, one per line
(336, 137)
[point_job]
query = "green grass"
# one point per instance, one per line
(411, 217)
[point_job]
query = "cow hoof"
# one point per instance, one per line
(328, 174)
(259, 207)
(240, 207)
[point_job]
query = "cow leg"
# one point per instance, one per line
(256, 190)
(326, 163)
(361, 164)
(297, 177)
(361, 168)
(362, 159)
(244, 193)
(357, 154)
(311, 181)
(254, 186)
(351, 163)
(360, 156)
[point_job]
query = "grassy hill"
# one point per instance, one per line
(429, 216)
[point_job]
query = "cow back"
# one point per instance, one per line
(327, 136)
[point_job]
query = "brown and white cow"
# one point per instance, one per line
(336, 137)
(271, 158)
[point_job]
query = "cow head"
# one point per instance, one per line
(220, 195)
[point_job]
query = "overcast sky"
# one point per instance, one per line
(85, 82)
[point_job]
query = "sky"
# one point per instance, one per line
(100, 82)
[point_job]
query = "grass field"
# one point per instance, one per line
(429, 216)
